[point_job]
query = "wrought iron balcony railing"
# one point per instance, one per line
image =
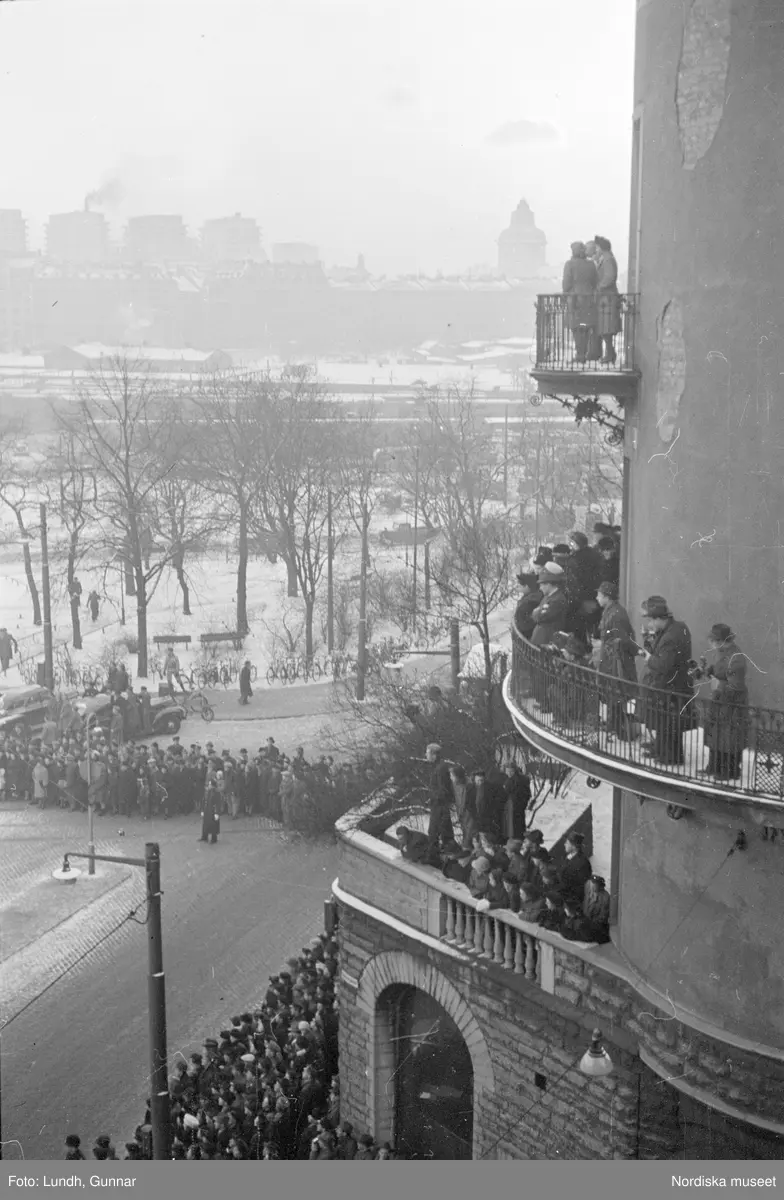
(609, 717)
(575, 333)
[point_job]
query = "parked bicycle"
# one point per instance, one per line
(196, 703)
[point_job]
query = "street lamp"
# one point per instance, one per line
(156, 987)
(596, 1062)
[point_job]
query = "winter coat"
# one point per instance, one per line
(580, 280)
(574, 874)
(583, 576)
(484, 805)
(667, 668)
(577, 929)
(478, 885)
(245, 688)
(608, 302)
(550, 618)
(440, 785)
(517, 797)
(523, 617)
(531, 910)
(726, 725)
(618, 651)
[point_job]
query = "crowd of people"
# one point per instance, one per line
(145, 780)
(570, 608)
(266, 1087)
(503, 864)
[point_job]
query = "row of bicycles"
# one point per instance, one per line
(90, 680)
(294, 668)
(216, 673)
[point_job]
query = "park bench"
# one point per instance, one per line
(213, 639)
(170, 639)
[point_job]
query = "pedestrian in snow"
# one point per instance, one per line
(245, 689)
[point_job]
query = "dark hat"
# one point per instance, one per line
(601, 527)
(606, 543)
(365, 1140)
(579, 538)
(562, 548)
(543, 555)
(608, 588)
(527, 578)
(534, 835)
(196, 1058)
(73, 1141)
(656, 606)
(211, 1042)
(104, 1141)
(577, 839)
(721, 633)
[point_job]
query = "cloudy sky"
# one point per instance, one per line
(407, 130)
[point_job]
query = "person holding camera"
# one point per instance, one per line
(726, 724)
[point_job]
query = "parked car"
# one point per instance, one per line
(24, 708)
(166, 715)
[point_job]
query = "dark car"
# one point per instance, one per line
(24, 709)
(166, 716)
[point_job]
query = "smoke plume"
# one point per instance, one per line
(107, 196)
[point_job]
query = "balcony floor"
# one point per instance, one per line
(606, 756)
(585, 380)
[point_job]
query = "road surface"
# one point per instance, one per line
(74, 1059)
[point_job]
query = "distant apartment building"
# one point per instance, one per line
(13, 231)
(521, 246)
(16, 302)
(295, 252)
(157, 239)
(232, 239)
(77, 237)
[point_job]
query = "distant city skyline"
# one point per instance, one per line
(407, 132)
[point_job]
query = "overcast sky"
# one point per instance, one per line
(407, 130)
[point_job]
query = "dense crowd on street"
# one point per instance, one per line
(570, 608)
(142, 779)
(266, 1086)
(503, 864)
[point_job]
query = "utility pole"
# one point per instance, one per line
(427, 576)
(454, 653)
(506, 456)
(159, 1074)
(416, 538)
(362, 631)
(538, 467)
(48, 649)
(330, 581)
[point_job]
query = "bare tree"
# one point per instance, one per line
(298, 469)
(71, 490)
(229, 448)
(125, 431)
(17, 491)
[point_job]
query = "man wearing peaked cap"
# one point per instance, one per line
(550, 616)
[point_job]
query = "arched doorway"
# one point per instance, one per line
(433, 1103)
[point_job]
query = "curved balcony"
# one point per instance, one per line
(569, 359)
(596, 724)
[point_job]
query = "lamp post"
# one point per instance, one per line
(47, 597)
(90, 806)
(596, 1062)
(156, 989)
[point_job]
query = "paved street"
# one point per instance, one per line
(75, 1060)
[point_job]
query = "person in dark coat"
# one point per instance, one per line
(210, 815)
(246, 690)
(544, 555)
(607, 547)
(574, 926)
(516, 798)
(580, 280)
(576, 869)
(726, 724)
(440, 831)
(530, 599)
(552, 915)
(596, 909)
(608, 301)
(583, 575)
(616, 652)
(550, 616)
(561, 553)
(667, 670)
(482, 800)
(457, 863)
(531, 905)
(72, 1151)
(414, 846)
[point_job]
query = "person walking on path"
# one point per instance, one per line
(93, 603)
(210, 818)
(246, 690)
(8, 648)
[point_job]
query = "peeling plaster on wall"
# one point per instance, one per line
(671, 376)
(702, 77)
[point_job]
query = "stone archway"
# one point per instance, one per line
(398, 967)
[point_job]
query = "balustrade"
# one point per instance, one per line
(494, 936)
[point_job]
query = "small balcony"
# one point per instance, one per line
(571, 357)
(600, 725)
